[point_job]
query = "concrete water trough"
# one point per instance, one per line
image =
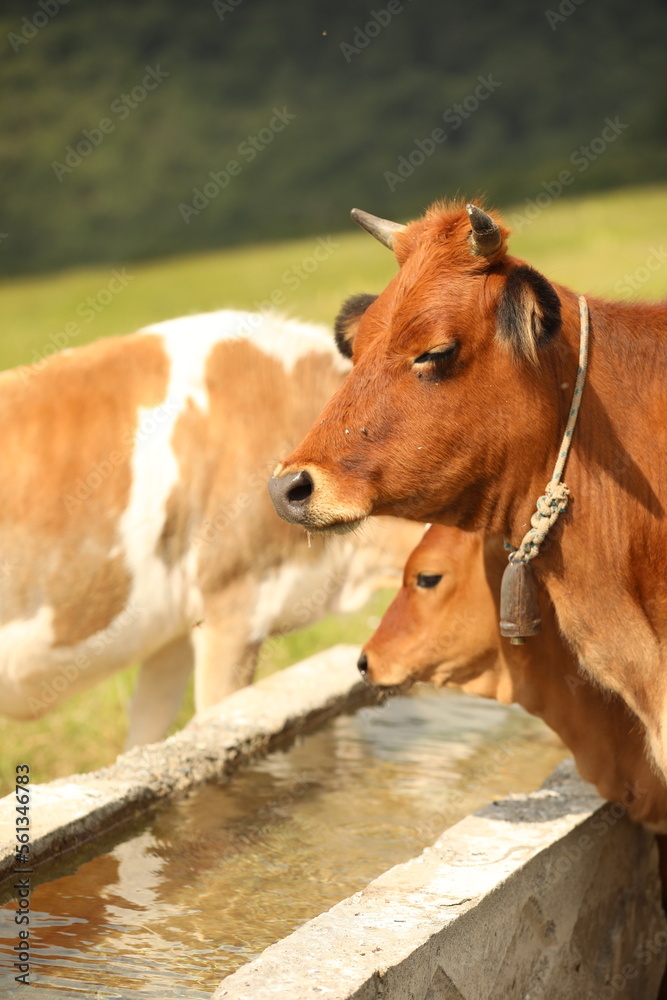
(538, 896)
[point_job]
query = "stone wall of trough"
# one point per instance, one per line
(548, 896)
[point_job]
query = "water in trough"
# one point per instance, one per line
(207, 883)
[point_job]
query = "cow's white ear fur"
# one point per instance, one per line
(347, 321)
(529, 313)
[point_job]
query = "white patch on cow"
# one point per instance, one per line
(275, 594)
(37, 675)
(364, 569)
(23, 643)
(162, 594)
(284, 339)
(294, 595)
(342, 578)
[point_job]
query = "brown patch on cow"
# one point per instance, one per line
(65, 470)
(76, 619)
(185, 503)
(226, 456)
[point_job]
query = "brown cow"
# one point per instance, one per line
(464, 373)
(443, 627)
(134, 520)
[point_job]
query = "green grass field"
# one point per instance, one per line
(594, 245)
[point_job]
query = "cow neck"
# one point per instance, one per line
(519, 604)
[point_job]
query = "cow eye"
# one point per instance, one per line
(439, 356)
(428, 579)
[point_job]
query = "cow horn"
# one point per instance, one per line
(382, 229)
(486, 236)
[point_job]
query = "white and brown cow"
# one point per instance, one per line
(135, 522)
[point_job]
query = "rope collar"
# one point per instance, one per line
(555, 498)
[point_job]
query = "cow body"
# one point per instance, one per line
(464, 370)
(442, 627)
(135, 524)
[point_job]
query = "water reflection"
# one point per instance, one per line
(210, 882)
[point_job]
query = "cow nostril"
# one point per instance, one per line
(291, 495)
(362, 664)
(301, 488)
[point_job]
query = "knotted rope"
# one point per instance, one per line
(555, 498)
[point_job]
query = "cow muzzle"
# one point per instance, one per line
(387, 677)
(309, 498)
(291, 496)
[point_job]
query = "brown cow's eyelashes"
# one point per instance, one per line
(437, 359)
(428, 579)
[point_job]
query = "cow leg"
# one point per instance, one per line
(225, 651)
(216, 680)
(159, 693)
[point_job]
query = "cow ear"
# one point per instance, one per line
(347, 321)
(529, 314)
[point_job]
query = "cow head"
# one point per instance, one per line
(447, 390)
(442, 625)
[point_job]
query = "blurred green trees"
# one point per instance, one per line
(366, 101)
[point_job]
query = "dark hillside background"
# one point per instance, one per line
(558, 73)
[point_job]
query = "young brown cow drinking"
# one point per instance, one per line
(443, 627)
